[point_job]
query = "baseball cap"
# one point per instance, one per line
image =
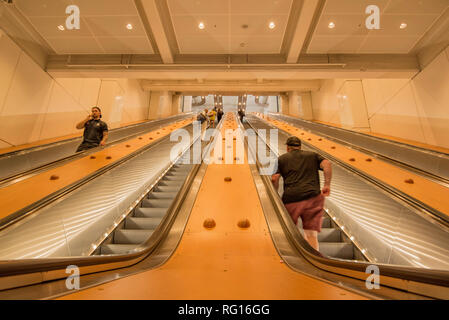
(293, 141)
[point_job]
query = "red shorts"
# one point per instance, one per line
(310, 211)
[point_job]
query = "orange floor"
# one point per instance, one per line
(23, 193)
(432, 194)
(226, 262)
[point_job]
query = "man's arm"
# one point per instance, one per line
(105, 138)
(82, 123)
(275, 180)
(327, 170)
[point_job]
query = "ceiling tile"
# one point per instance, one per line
(188, 25)
(48, 27)
(417, 6)
(115, 26)
(44, 8)
(255, 44)
(198, 7)
(352, 24)
(352, 6)
(75, 45)
(106, 7)
(265, 7)
(397, 45)
(125, 45)
(417, 25)
(204, 45)
(335, 44)
(258, 25)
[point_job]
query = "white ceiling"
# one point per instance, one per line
(103, 26)
(223, 19)
(351, 35)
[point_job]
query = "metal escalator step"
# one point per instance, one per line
(142, 223)
(116, 248)
(329, 235)
(150, 212)
(174, 178)
(131, 236)
(159, 188)
(156, 203)
(340, 250)
(162, 195)
(171, 183)
(326, 222)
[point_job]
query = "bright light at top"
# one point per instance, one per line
(331, 25)
(272, 25)
(129, 26)
(403, 25)
(201, 25)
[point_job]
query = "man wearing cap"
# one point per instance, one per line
(302, 195)
(95, 131)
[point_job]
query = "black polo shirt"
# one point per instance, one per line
(93, 131)
(300, 172)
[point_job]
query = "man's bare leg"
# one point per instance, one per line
(312, 238)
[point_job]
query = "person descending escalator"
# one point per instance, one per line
(302, 195)
(241, 114)
(219, 115)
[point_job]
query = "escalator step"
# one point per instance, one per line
(329, 235)
(130, 236)
(174, 178)
(326, 222)
(150, 212)
(142, 223)
(116, 248)
(156, 203)
(167, 188)
(162, 195)
(170, 183)
(340, 250)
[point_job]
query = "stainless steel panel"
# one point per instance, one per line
(431, 161)
(70, 226)
(390, 231)
(25, 160)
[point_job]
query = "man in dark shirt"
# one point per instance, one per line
(219, 115)
(302, 195)
(95, 131)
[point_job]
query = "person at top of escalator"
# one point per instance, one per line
(302, 196)
(95, 131)
(241, 113)
(219, 115)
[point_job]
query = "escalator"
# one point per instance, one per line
(145, 218)
(21, 164)
(366, 223)
(340, 271)
(334, 243)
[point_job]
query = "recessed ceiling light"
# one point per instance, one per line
(129, 26)
(61, 27)
(272, 25)
(201, 25)
(331, 25)
(403, 25)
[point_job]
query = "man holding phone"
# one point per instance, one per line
(95, 131)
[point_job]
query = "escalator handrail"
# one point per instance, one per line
(48, 145)
(428, 276)
(27, 266)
